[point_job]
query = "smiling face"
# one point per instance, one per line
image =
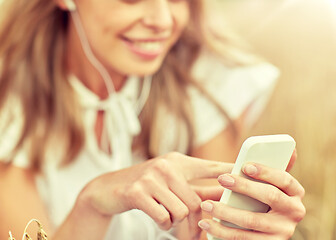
(133, 36)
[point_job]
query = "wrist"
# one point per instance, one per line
(84, 221)
(101, 198)
(88, 202)
(85, 204)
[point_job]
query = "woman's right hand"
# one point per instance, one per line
(147, 186)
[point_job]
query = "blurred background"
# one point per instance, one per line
(299, 37)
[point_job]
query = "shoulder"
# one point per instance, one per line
(235, 89)
(215, 76)
(232, 87)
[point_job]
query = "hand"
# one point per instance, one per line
(160, 181)
(284, 196)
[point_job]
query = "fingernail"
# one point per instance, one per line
(226, 180)
(207, 206)
(204, 225)
(250, 169)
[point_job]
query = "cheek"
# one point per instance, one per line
(104, 33)
(103, 19)
(182, 16)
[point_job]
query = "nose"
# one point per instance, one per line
(158, 15)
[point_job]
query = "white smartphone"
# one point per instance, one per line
(270, 150)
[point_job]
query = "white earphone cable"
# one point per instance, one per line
(123, 115)
(144, 94)
(89, 54)
(102, 70)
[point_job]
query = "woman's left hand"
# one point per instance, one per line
(284, 196)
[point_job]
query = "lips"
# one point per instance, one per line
(145, 48)
(148, 46)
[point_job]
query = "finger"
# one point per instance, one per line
(209, 192)
(177, 209)
(249, 220)
(189, 197)
(263, 192)
(281, 179)
(159, 214)
(193, 219)
(219, 231)
(196, 168)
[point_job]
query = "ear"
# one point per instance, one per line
(66, 5)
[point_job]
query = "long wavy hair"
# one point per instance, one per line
(32, 53)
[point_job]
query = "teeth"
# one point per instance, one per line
(149, 46)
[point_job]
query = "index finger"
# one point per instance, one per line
(281, 179)
(196, 168)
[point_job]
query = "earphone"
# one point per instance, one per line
(70, 4)
(117, 105)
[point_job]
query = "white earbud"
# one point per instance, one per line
(70, 4)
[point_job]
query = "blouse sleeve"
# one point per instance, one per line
(235, 89)
(10, 128)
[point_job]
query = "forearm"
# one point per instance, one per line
(83, 222)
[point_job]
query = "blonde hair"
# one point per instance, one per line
(32, 51)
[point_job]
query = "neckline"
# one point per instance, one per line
(130, 90)
(128, 102)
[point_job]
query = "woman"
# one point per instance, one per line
(74, 77)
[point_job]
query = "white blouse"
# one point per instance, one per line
(235, 89)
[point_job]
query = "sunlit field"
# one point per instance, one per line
(300, 38)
